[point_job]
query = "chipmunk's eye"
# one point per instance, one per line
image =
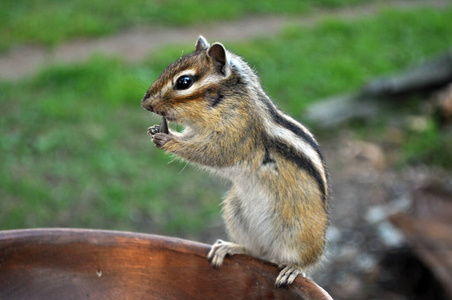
(183, 82)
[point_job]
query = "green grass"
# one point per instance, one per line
(49, 22)
(303, 65)
(428, 147)
(78, 155)
(74, 147)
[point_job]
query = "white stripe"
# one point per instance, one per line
(300, 144)
(169, 85)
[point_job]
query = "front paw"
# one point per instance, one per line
(153, 130)
(288, 274)
(161, 139)
(220, 249)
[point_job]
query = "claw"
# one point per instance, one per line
(220, 249)
(287, 275)
(153, 130)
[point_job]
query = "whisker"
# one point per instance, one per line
(186, 164)
(142, 84)
(172, 160)
(179, 115)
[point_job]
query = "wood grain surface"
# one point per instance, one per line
(95, 264)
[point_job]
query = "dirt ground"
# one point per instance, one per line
(367, 189)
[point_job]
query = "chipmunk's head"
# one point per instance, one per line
(201, 88)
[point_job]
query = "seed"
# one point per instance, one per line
(164, 126)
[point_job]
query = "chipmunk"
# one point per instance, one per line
(277, 207)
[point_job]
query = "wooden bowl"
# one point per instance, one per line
(96, 264)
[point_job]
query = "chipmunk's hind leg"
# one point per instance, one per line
(288, 274)
(220, 249)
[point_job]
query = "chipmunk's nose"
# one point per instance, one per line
(146, 102)
(148, 107)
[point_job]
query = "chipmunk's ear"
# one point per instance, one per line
(202, 44)
(219, 57)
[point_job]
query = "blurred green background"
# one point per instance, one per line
(73, 145)
(74, 150)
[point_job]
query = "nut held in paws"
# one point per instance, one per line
(164, 126)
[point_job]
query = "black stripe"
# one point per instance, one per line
(267, 158)
(216, 100)
(301, 161)
(280, 120)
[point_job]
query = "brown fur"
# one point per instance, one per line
(277, 208)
